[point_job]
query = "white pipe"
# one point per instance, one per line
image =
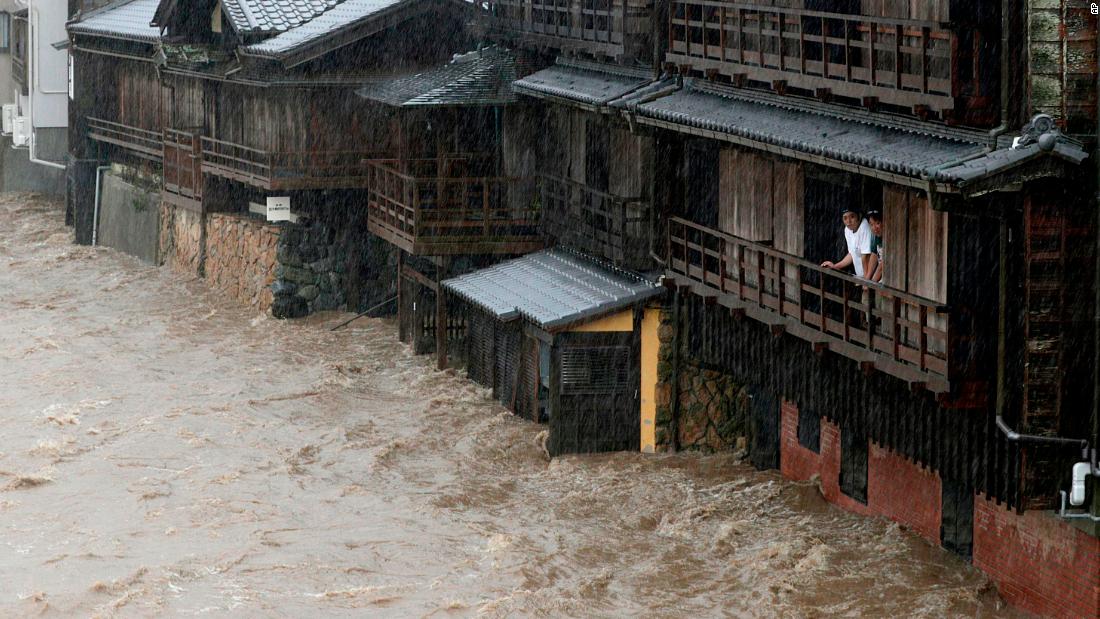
(95, 212)
(32, 41)
(1077, 490)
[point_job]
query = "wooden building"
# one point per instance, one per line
(971, 363)
(557, 335)
(237, 101)
(448, 201)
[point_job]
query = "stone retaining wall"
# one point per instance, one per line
(311, 272)
(713, 406)
(240, 257)
(181, 239)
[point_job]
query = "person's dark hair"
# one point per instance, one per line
(876, 215)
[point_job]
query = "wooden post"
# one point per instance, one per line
(674, 405)
(401, 317)
(441, 314)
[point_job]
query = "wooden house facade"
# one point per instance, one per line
(745, 133)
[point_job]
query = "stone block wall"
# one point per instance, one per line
(240, 257)
(181, 239)
(312, 270)
(712, 406)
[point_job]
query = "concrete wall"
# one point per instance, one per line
(17, 173)
(129, 217)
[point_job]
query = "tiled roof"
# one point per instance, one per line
(344, 15)
(483, 77)
(552, 288)
(1005, 159)
(121, 20)
(585, 83)
(865, 144)
(274, 16)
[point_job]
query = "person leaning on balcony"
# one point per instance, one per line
(875, 264)
(857, 235)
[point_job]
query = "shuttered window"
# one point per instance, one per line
(594, 369)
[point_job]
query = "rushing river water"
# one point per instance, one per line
(166, 452)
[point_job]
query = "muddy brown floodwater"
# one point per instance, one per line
(166, 452)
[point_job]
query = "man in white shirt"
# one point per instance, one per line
(857, 234)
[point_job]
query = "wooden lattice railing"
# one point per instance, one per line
(888, 328)
(450, 205)
(142, 142)
(900, 62)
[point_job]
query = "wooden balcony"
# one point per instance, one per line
(285, 170)
(598, 223)
(885, 329)
(141, 142)
(182, 170)
(607, 28)
(449, 206)
(905, 63)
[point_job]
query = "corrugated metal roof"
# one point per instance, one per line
(552, 288)
(274, 16)
(865, 144)
(483, 77)
(343, 15)
(582, 82)
(127, 20)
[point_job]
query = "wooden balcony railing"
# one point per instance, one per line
(602, 27)
(285, 170)
(899, 62)
(900, 334)
(142, 142)
(182, 170)
(450, 206)
(598, 223)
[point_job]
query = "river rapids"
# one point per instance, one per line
(167, 452)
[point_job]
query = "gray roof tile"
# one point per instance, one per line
(483, 77)
(274, 16)
(345, 14)
(552, 288)
(127, 20)
(581, 82)
(865, 144)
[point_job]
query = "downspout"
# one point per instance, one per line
(1006, 29)
(32, 44)
(98, 192)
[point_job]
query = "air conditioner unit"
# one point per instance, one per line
(8, 116)
(21, 132)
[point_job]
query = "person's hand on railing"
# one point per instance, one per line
(828, 264)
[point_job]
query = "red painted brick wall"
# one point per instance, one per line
(1039, 563)
(896, 488)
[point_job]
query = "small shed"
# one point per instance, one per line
(558, 337)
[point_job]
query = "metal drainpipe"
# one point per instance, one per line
(98, 192)
(1000, 129)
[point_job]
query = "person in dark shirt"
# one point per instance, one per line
(876, 262)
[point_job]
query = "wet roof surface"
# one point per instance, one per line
(126, 20)
(1004, 159)
(478, 78)
(586, 83)
(552, 288)
(343, 15)
(274, 16)
(865, 144)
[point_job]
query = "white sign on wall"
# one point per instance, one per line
(278, 208)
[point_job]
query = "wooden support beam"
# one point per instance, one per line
(441, 316)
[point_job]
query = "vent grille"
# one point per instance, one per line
(595, 370)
